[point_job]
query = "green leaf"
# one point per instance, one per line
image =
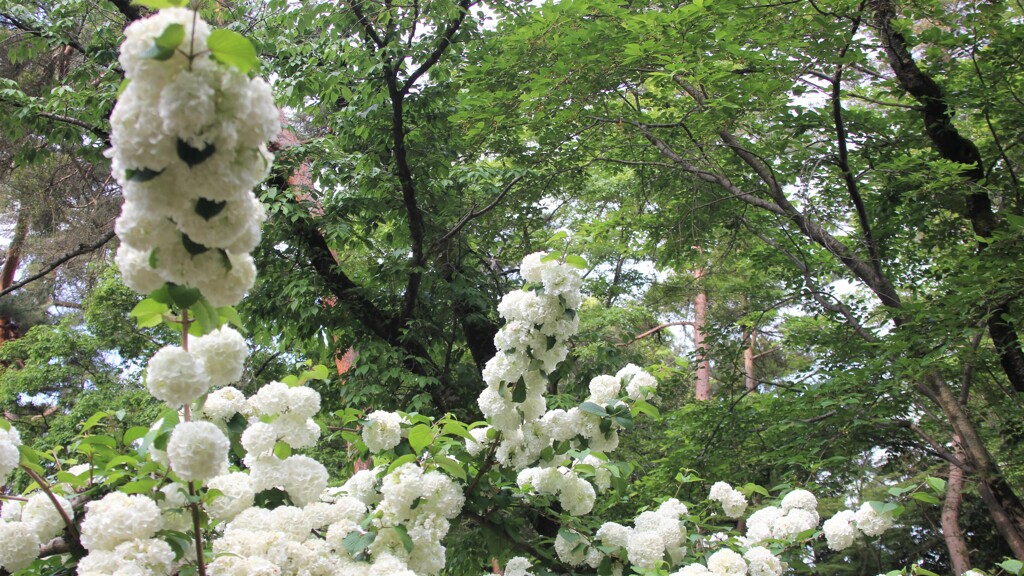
(936, 484)
(233, 49)
(1012, 566)
(591, 408)
(282, 450)
(141, 174)
(94, 420)
(576, 261)
(420, 436)
(403, 535)
(183, 297)
(645, 407)
(519, 391)
(166, 44)
(926, 498)
(149, 313)
(194, 156)
(209, 208)
(206, 315)
(355, 542)
(403, 459)
(453, 468)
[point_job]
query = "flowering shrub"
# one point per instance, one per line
(214, 487)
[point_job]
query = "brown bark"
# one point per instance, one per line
(950, 518)
(951, 145)
(8, 328)
(1003, 505)
(700, 315)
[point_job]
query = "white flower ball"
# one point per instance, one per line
(517, 566)
(840, 530)
(383, 431)
(222, 404)
(604, 389)
(872, 523)
(19, 546)
(198, 451)
(9, 455)
(613, 534)
(118, 518)
(725, 562)
(763, 562)
(306, 479)
(801, 499)
(237, 494)
(41, 514)
(645, 549)
(222, 354)
(174, 376)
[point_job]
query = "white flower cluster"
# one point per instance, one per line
(178, 377)
(383, 430)
(575, 494)
(9, 455)
(119, 531)
(756, 561)
(530, 346)
(26, 525)
(842, 529)
(798, 513)
(733, 501)
(189, 143)
(281, 413)
(654, 535)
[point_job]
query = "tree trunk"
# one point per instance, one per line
(700, 314)
(950, 518)
(1003, 505)
(749, 375)
(8, 328)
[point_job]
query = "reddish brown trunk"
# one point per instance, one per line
(1003, 504)
(8, 329)
(749, 376)
(950, 518)
(700, 315)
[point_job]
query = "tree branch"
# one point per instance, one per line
(82, 249)
(446, 40)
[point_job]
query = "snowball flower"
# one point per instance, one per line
(692, 570)
(763, 562)
(174, 376)
(9, 455)
(640, 385)
(222, 354)
(840, 531)
(198, 451)
(222, 404)
(518, 566)
(118, 518)
(383, 431)
(19, 546)
(733, 502)
(725, 562)
(237, 494)
(801, 499)
(305, 479)
(567, 551)
(43, 517)
(872, 523)
(645, 549)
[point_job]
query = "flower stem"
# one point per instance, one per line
(72, 529)
(200, 560)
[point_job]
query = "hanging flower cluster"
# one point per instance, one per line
(189, 140)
